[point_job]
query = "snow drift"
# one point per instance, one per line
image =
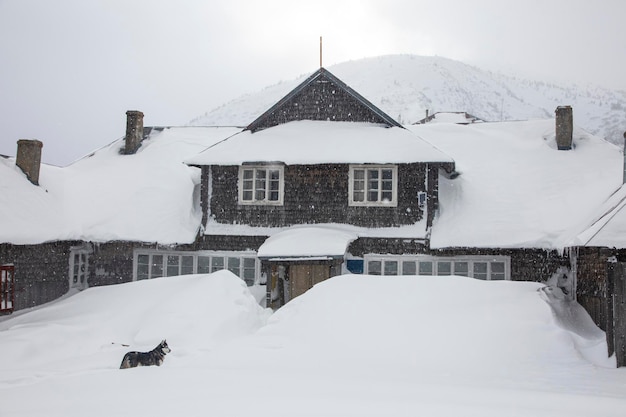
(351, 346)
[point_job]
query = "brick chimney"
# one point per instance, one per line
(564, 127)
(29, 158)
(134, 131)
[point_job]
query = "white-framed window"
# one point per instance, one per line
(373, 185)
(154, 264)
(79, 266)
(485, 267)
(261, 185)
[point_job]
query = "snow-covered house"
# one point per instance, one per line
(323, 182)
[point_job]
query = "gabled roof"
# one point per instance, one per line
(322, 96)
(315, 142)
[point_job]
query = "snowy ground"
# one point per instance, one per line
(351, 346)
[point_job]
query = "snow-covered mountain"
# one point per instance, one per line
(406, 86)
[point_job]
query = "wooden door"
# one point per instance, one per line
(304, 276)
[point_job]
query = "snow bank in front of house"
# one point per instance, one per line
(89, 330)
(353, 345)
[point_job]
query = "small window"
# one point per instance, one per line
(391, 267)
(187, 265)
(173, 265)
(374, 267)
(497, 270)
(480, 270)
(234, 266)
(261, 185)
(373, 186)
(249, 270)
(204, 265)
(461, 268)
(444, 268)
(217, 263)
(157, 266)
(425, 268)
(143, 266)
(409, 268)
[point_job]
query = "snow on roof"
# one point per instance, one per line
(308, 241)
(107, 196)
(608, 225)
(516, 189)
(322, 142)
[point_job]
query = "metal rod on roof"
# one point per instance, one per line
(320, 52)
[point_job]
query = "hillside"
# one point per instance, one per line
(406, 86)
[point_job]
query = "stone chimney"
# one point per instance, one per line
(564, 127)
(29, 158)
(134, 131)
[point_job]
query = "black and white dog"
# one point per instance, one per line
(154, 357)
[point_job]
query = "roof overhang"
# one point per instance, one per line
(307, 243)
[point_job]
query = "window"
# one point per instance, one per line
(261, 185)
(373, 185)
(153, 264)
(482, 267)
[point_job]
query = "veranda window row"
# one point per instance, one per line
(156, 265)
(484, 267)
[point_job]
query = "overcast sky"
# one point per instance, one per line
(70, 69)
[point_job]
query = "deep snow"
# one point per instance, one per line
(352, 346)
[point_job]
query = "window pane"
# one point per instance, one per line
(409, 268)
(391, 267)
(247, 195)
(497, 270)
(249, 270)
(204, 263)
(426, 268)
(233, 266)
(157, 266)
(187, 266)
(172, 265)
(444, 268)
(143, 266)
(374, 267)
(248, 174)
(461, 268)
(480, 270)
(217, 263)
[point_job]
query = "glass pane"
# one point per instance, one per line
(359, 174)
(172, 265)
(204, 264)
(497, 270)
(143, 266)
(409, 268)
(157, 266)
(187, 265)
(444, 268)
(247, 195)
(233, 266)
(249, 270)
(426, 268)
(372, 196)
(217, 263)
(387, 174)
(391, 267)
(374, 267)
(461, 268)
(247, 174)
(480, 270)
(372, 174)
(358, 196)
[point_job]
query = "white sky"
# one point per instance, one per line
(70, 69)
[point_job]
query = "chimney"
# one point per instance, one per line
(29, 158)
(564, 127)
(134, 131)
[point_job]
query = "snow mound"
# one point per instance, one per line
(94, 328)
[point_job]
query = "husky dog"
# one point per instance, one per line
(154, 357)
